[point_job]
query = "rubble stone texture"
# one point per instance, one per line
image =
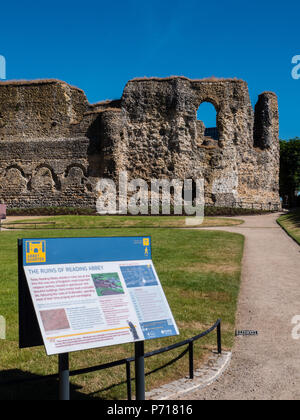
(55, 146)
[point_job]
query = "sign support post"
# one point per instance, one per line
(140, 371)
(64, 377)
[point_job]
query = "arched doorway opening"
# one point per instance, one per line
(207, 121)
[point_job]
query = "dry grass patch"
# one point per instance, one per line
(94, 222)
(217, 268)
(202, 327)
(195, 294)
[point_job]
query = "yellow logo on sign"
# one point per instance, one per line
(146, 242)
(35, 252)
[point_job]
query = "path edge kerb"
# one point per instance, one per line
(287, 232)
(203, 377)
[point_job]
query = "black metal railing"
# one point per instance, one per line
(212, 132)
(22, 225)
(127, 362)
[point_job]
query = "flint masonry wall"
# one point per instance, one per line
(55, 146)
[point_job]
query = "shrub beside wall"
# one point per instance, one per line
(65, 211)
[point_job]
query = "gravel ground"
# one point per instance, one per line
(11, 219)
(266, 366)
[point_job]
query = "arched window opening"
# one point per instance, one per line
(207, 121)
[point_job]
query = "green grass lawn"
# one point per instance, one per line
(291, 224)
(200, 274)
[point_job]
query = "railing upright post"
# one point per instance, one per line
(191, 359)
(128, 379)
(219, 338)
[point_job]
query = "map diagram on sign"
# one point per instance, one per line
(139, 276)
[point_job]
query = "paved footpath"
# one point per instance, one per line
(266, 366)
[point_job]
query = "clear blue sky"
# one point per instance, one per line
(100, 45)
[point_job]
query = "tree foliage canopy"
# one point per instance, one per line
(290, 169)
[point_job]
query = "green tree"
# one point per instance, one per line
(290, 170)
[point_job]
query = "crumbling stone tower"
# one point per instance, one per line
(55, 146)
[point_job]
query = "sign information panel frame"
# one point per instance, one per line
(82, 293)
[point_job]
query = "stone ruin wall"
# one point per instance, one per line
(55, 146)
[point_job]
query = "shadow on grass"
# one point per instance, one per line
(16, 384)
(294, 217)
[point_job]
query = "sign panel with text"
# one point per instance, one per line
(92, 292)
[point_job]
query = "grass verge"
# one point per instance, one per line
(200, 274)
(291, 224)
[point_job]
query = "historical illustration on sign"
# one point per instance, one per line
(107, 284)
(55, 319)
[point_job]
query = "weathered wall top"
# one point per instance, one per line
(39, 109)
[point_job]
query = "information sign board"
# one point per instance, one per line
(93, 292)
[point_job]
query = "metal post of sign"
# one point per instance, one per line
(219, 338)
(140, 371)
(191, 359)
(64, 377)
